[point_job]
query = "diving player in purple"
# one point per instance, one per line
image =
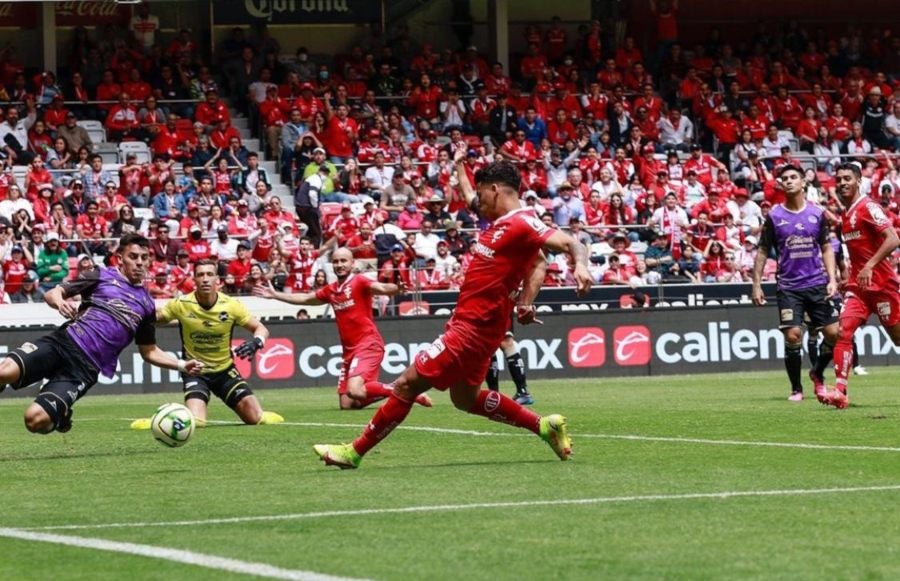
(115, 309)
(807, 279)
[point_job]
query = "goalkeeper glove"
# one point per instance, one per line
(246, 349)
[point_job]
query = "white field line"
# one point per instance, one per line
(576, 435)
(481, 505)
(174, 555)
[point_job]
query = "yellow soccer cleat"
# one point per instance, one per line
(141, 424)
(343, 456)
(554, 431)
(270, 418)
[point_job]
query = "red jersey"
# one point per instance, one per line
(502, 256)
(352, 302)
(862, 225)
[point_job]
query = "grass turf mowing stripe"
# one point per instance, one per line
(576, 435)
(175, 555)
(724, 495)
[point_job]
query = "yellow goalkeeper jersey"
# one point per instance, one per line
(206, 333)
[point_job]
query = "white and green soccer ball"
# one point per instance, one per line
(172, 424)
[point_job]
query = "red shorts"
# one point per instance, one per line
(453, 359)
(882, 302)
(365, 363)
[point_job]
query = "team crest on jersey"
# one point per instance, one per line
(812, 219)
(223, 316)
(884, 310)
(536, 224)
(853, 220)
(877, 213)
(498, 233)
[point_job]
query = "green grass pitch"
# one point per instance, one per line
(650, 508)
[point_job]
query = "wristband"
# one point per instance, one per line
(181, 365)
(262, 340)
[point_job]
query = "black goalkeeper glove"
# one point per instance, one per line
(246, 349)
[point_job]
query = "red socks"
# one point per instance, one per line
(843, 361)
(376, 389)
(388, 417)
(498, 408)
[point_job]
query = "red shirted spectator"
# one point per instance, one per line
(211, 109)
(650, 100)
(430, 278)
(765, 103)
(195, 245)
(341, 132)
(346, 226)
(221, 136)
(107, 90)
(395, 270)
(690, 85)
(242, 222)
(533, 64)
(36, 176)
(362, 245)
(162, 286)
(424, 61)
(496, 82)
(302, 262)
(425, 99)
(55, 115)
(819, 101)
(277, 217)
(628, 54)
(636, 77)
(182, 274)
(556, 41)
(839, 127)
(702, 233)
(596, 101)
(610, 76)
(91, 225)
(136, 87)
(518, 148)
(702, 163)
(560, 129)
(726, 129)
(534, 176)
(808, 129)
(852, 101)
(110, 202)
(122, 119)
(756, 123)
(264, 242)
(307, 103)
(787, 109)
(240, 266)
(566, 101)
(15, 269)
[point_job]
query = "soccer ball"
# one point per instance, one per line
(172, 424)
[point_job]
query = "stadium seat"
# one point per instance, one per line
(139, 148)
(329, 211)
(109, 152)
(95, 130)
(113, 170)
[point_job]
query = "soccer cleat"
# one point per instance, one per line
(343, 456)
(838, 399)
(524, 398)
(796, 396)
(553, 431)
(270, 418)
(821, 390)
(141, 424)
(860, 370)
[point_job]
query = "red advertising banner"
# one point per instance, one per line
(19, 14)
(92, 13)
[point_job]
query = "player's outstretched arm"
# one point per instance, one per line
(387, 289)
(155, 356)
(465, 187)
(525, 311)
(56, 298)
(559, 241)
(248, 348)
(268, 292)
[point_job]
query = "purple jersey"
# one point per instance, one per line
(797, 238)
(113, 312)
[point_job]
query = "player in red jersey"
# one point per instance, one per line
(873, 284)
(351, 298)
(507, 254)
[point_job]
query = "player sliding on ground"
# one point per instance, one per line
(115, 309)
(507, 253)
(351, 297)
(873, 283)
(207, 319)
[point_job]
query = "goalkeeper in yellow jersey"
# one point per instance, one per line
(207, 318)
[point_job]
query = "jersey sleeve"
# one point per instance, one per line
(767, 236)
(240, 313)
(146, 331)
(169, 312)
(83, 285)
(324, 294)
(875, 217)
(532, 230)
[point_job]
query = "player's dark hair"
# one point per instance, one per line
(501, 172)
(849, 166)
(788, 167)
(132, 238)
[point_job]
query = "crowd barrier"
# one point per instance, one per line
(568, 345)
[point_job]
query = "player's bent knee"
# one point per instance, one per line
(9, 371)
(794, 335)
(37, 421)
(249, 410)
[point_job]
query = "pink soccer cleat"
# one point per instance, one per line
(796, 396)
(821, 390)
(838, 399)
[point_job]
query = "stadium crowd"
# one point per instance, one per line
(664, 166)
